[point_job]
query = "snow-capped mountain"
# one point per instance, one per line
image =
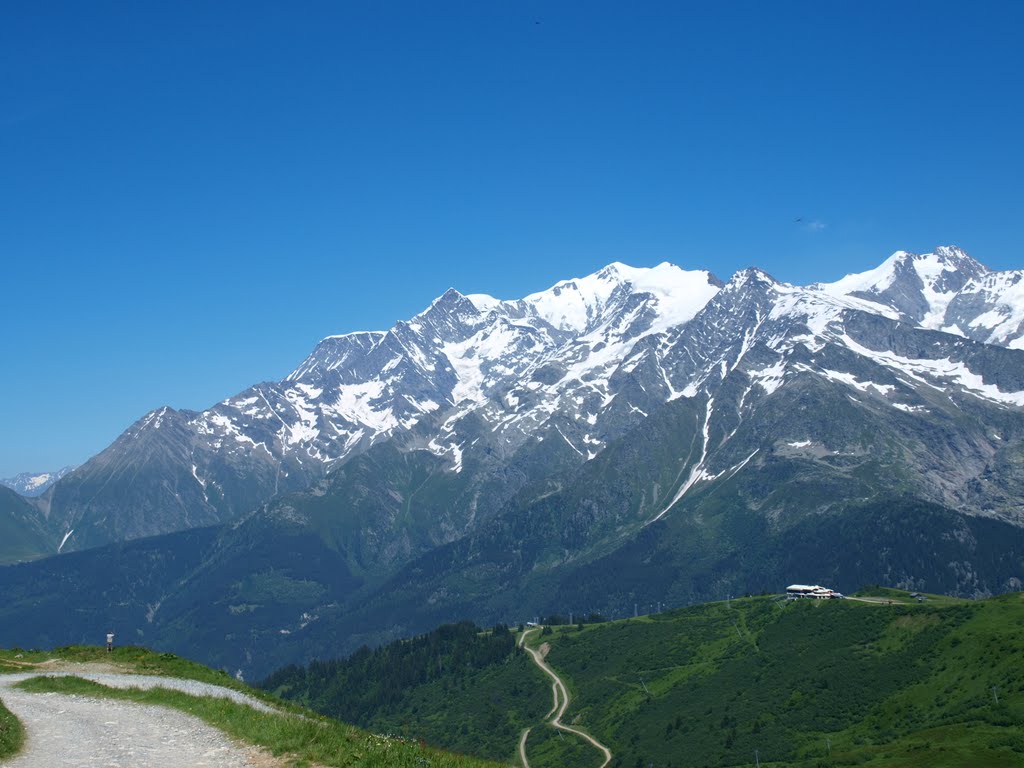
(759, 337)
(34, 483)
(946, 290)
(473, 355)
(464, 354)
(990, 308)
(480, 381)
(515, 366)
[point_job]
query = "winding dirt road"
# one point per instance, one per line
(561, 704)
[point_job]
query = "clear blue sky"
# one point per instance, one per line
(192, 194)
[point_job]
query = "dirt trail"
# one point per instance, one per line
(876, 600)
(78, 731)
(561, 698)
(522, 748)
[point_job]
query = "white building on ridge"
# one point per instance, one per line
(798, 591)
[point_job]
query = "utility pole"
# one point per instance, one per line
(995, 693)
(828, 745)
(645, 686)
(757, 759)
(634, 611)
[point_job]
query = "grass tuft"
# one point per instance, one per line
(12, 733)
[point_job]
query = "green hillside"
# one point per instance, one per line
(882, 681)
(457, 686)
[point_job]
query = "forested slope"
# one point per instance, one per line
(884, 681)
(457, 686)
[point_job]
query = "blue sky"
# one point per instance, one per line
(192, 194)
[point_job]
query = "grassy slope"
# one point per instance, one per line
(132, 659)
(887, 685)
(306, 738)
(12, 734)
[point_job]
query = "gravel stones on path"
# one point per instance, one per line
(192, 687)
(83, 732)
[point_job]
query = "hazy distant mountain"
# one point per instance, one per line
(21, 532)
(34, 483)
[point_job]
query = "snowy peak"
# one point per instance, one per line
(449, 310)
(483, 302)
(335, 352)
(582, 304)
(751, 278)
(552, 355)
(450, 317)
(574, 306)
(952, 254)
(990, 309)
(34, 483)
(947, 291)
(678, 294)
(934, 270)
(918, 286)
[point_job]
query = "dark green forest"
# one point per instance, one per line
(458, 686)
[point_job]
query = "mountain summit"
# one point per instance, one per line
(946, 290)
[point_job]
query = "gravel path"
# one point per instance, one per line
(83, 732)
(193, 687)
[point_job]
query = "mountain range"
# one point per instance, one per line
(633, 436)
